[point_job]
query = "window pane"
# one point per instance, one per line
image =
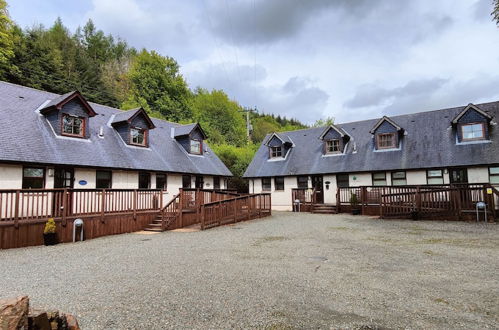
(186, 181)
(494, 170)
(379, 183)
(472, 131)
(342, 180)
(398, 175)
(160, 181)
(379, 176)
(435, 180)
(494, 179)
(195, 147)
(302, 182)
(216, 182)
(103, 175)
(33, 172)
(266, 184)
(399, 182)
(434, 173)
(144, 180)
(279, 183)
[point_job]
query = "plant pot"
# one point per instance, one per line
(50, 239)
(355, 211)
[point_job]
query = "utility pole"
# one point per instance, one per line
(249, 127)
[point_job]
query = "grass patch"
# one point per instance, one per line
(269, 239)
(441, 301)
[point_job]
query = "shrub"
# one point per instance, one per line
(354, 201)
(50, 226)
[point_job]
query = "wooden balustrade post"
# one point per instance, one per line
(418, 199)
(64, 206)
(160, 199)
(135, 197)
(181, 208)
(235, 210)
(363, 193)
(202, 216)
(338, 200)
(16, 210)
(103, 205)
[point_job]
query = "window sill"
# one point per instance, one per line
(473, 142)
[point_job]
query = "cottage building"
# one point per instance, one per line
(455, 145)
(63, 141)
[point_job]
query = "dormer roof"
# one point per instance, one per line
(60, 101)
(336, 128)
(469, 107)
(381, 121)
(129, 115)
(284, 138)
(188, 129)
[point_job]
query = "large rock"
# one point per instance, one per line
(14, 313)
(38, 320)
(72, 322)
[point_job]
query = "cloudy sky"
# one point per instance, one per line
(347, 59)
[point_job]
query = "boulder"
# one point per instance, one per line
(14, 313)
(38, 320)
(72, 322)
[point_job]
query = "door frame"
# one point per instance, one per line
(465, 171)
(319, 193)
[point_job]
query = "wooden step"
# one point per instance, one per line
(153, 229)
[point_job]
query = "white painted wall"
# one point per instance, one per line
(87, 175)
(478, 174)
(361, 179)
(415, 177)
(11, 176)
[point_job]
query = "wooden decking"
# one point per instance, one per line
(23, 213)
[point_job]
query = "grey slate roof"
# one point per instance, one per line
(27, 137)
(429, 141)
(124, 115)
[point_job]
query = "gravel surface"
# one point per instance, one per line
(288, 271)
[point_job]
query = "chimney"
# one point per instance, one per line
(172, 134)
(101, 132)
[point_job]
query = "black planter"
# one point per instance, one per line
(50, 239)
(355, 211)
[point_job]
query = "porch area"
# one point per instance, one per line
(439, 202)
(23, 213)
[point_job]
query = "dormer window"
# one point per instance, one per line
(473, 132)
(73, 126)
(196, 147)
(333, 146)
(133, 126)
(138, 136)
(386, 140)
(275, 152)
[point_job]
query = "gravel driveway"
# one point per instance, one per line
(288, 271)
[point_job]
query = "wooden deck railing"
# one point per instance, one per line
(35, 204)
(425, 200)
(235, 209)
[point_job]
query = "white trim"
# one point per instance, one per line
(42, 106)
(62, 137)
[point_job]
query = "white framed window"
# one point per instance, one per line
(399, 178)
(73, 126)
(379, 179)
(196, 147)
(333, 146)
(275, 152)
(138, 136)
(435, 177)
(471, 132)
(494, 175)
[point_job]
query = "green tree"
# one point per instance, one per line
(262, 126)
(6, 39)
(157, 85)
(495, 12)
(324, 122)
(220, 117)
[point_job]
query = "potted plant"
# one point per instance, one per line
(49, 232)
(354, 203)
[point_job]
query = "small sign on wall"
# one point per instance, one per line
(82, 183)
(489, 191)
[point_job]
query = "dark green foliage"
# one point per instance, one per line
(495, 13)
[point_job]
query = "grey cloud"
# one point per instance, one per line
(243, 22)
(374, 95)
(297, 97)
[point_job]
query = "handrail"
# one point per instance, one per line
(235, 198)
